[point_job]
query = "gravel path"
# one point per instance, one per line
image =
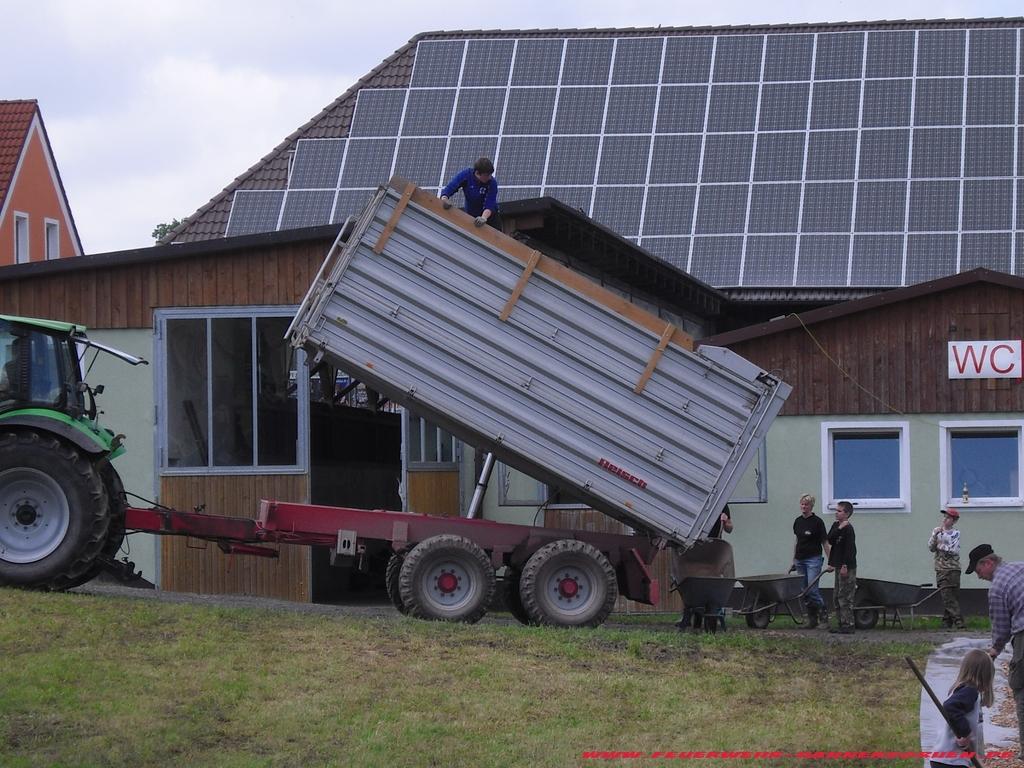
(384, 609)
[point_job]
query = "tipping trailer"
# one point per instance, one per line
(519, 355)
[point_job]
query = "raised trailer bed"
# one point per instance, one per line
(444, 568)
(887, 598)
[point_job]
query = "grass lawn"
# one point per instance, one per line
(98, 681)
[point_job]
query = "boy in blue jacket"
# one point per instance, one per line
(480, 189)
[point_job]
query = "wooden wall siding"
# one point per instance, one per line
(434, 493)
(190, 565)
(898, 353)
(125, 296)
(591, 520)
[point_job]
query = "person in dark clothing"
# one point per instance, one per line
(842, 559)
(479, 188)
(811, 536)
(724, 522)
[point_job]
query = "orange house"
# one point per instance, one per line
(35, 218)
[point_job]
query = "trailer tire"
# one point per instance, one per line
(54, 512)
(391, 575)
(568, 583)
(447, 578)
(118, 502)
(865, 618)
(512, 598)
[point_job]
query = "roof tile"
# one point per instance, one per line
(15, 119)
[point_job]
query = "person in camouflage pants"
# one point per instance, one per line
(842, 558)
(945, 543)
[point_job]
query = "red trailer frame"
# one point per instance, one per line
(350, 533)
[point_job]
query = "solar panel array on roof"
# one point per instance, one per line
(849, 158)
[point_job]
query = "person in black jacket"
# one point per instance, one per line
(811, 535)
(842, 559)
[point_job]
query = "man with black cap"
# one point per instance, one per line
(945, 543)
(1006, 610)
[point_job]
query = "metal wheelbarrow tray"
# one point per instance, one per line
(764, 597)
(876, 597)
(707, 596)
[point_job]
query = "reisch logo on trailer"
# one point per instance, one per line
(622, 473)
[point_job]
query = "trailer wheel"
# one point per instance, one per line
(568, 583)
(54, 512)
(447, 578)
(513, 600)
(391, 575)
(759, 619)
(865, 618)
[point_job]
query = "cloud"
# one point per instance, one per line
(153, 108)
(190, 128)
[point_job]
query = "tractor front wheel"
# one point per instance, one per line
(54, 512)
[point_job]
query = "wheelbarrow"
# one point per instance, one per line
(704, 576)
(707, 596)
(764, 597)
(875, 597)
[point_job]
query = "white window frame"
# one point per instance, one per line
(22, 241)
(51, 225)
(831, 428)
(946, 431)
(505, 499)
(160, 318)
(428, 466)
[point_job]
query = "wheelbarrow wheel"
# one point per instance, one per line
(865, 618)
(759, 619)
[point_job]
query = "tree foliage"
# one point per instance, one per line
(160, 231)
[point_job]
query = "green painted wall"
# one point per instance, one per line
(891, 544)
(127, 406)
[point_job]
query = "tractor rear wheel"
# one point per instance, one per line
(54, 512)
(568, 583)
(115, 532)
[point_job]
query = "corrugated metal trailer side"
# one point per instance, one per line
(517, 354)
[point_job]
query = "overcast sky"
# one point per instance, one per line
(153, 107)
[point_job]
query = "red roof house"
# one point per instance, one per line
(35, 218)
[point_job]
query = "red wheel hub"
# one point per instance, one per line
(447, 583)
(568, 587)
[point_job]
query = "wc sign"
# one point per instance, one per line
(985, 360)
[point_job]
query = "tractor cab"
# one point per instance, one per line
(41, 366)
(38, 367)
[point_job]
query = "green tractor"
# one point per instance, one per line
(62, 504)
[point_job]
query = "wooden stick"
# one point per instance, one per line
(517, 291)
(395, 216)
(652, 363)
